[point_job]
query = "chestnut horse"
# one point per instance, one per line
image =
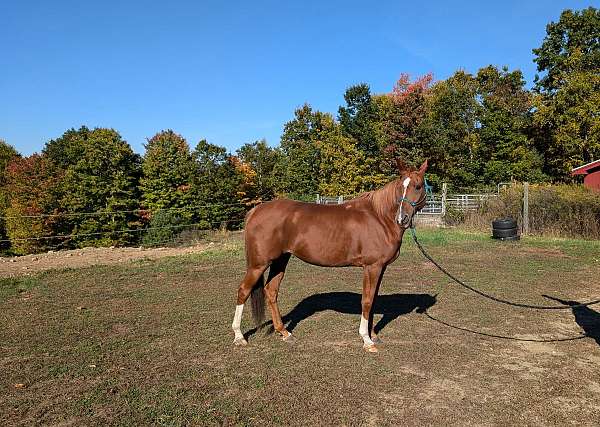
(363, 232)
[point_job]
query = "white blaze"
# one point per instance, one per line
(405, 184)
(237, 321)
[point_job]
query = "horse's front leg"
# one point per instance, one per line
(374, 337)
(371, 276)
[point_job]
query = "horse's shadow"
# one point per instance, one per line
(585, 317)
(390, 306)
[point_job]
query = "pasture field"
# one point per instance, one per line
(148, 342)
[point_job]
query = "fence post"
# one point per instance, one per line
(444, 191)
(525, 208)
(318, 200)
(340, 200)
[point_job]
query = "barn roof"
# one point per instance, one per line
(587, 168)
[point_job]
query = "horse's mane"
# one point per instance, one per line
(382, 200)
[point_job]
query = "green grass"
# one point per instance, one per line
(10, 287)
(149, 342)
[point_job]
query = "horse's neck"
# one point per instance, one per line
(384, 203)
(385, 212)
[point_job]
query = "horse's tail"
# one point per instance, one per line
(257, 301)
(257, 296)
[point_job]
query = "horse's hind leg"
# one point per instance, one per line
(276, 273)
(248, 282)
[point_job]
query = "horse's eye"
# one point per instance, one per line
(418, 187)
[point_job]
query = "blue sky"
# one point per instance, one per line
(233, 72)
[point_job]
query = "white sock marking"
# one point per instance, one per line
(363, 331)
(237, 321)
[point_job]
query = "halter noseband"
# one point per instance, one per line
(410, 202)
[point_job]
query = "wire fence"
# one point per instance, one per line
(131, 230)
(139, 211)
(132, 235)
(186, 236)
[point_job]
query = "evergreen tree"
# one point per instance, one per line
(215, 187)
(298, 167)
(167, 168)
(358, 118)
(105, 178)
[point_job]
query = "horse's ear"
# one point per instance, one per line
(403, 168)
(423, 167)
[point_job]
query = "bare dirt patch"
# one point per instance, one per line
(78, 258)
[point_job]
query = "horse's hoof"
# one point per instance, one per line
(376, 339)
(240, 341)
(370, 348)
(289, 338)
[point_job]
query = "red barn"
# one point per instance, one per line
(591, 174)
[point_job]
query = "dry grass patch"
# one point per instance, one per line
(149, 343)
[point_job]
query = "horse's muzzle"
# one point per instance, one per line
(405, 220)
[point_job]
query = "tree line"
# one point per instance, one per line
(476, 130)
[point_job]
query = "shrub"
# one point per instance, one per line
(166, 172)
(569, 210)
(556, 210)
(164, 227)
(454, 216)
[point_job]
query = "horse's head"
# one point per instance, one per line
(411, 192)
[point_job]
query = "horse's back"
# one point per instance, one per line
(319, 234)
(270, 218)
(277, 213)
